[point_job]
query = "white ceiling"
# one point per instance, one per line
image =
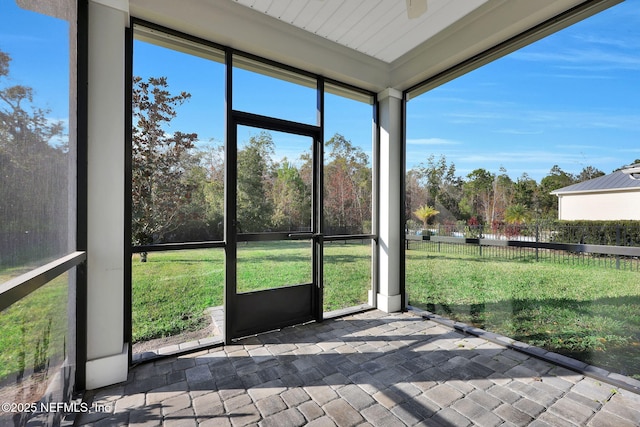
(370, 43)
(378, 28)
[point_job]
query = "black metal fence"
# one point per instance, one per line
(572, 245)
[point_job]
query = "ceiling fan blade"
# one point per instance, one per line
(415, 8)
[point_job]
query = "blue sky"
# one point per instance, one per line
(572, 99)
(38, 47)
(204, 113)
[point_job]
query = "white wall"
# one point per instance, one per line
(618, 205)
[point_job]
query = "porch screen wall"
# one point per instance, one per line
(38, 205)
(177, 190)
(349, 197)
(181, 170)
(486, 150)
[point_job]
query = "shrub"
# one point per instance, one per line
(612, 233)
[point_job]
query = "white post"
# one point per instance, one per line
(390, 237)
(107, 354)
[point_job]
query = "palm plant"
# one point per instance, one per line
(424, 213)
(516, 214)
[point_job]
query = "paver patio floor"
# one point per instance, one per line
(370, 368)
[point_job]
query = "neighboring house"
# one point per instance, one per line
(611, 197)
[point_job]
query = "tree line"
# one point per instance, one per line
(483, 196)
(178, 184)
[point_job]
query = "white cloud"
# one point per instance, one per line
(574, 76)
(583, 59)
(519, 132)
(476, 117)
(523, 121)
(607, 41)
(541, 156)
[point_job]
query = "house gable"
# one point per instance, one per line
(611, 197)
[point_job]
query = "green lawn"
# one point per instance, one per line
(585, 312)
(347, 274)
(172, 289)
(33, 331)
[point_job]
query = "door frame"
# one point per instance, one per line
(261, 311)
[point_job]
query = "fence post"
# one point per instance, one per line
(617, 244)
(404, 236)
(537, 240)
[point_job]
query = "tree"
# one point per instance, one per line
(587, 173)
(556, 179)
(415, 193)
(347, 191)
(486, 195)
(443, 188)
(525, 192)
(291, 199)
(213, 162)
(161, 161)
(34, 176)
(433, 174)
(478, 192)
(255, 208)
(194, 222)
(502, 195)
(424, 213)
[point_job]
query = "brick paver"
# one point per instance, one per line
(370, 368)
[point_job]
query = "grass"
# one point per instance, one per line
(585, 312)
(172, 289)
(33, 331)
(347, 274)
(264, 265)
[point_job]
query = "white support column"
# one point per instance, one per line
(107, 357)
(390, 238)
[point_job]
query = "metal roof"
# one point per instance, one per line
(617, 181)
